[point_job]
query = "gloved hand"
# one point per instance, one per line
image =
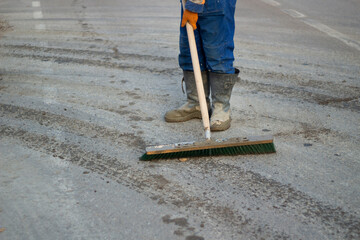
(190, 17)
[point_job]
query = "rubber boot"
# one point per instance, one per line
(191, 109)
(221, 87)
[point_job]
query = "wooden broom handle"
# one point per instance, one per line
(198, 78)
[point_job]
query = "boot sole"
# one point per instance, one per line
(196, 115)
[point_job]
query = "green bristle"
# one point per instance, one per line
(238, 150)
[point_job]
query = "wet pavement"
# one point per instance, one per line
(84, 86)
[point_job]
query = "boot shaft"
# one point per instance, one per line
(190, 85)
(221, 88)
(191, 109)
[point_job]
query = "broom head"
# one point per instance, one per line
(231, 146)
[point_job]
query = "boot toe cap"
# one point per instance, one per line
(220, 125)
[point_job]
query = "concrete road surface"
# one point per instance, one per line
(84, 85)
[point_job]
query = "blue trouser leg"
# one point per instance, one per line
(184, 56)
(214, 38)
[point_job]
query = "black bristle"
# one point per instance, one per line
(238, 150)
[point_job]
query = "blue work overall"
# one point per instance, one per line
(214, 38)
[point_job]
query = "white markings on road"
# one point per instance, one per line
(38, 15)
(333, 33)
(317, 25)
(40, 26)
(293, 13)
(272, 2)
(36, 4)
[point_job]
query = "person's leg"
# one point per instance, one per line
(191, 108)
(217, 34)
(185, 56)
(217, 28)
(221, 86)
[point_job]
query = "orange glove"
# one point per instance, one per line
(190, 17)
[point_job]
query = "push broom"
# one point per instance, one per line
(209, 147)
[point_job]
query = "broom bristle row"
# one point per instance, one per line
(237, 150)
